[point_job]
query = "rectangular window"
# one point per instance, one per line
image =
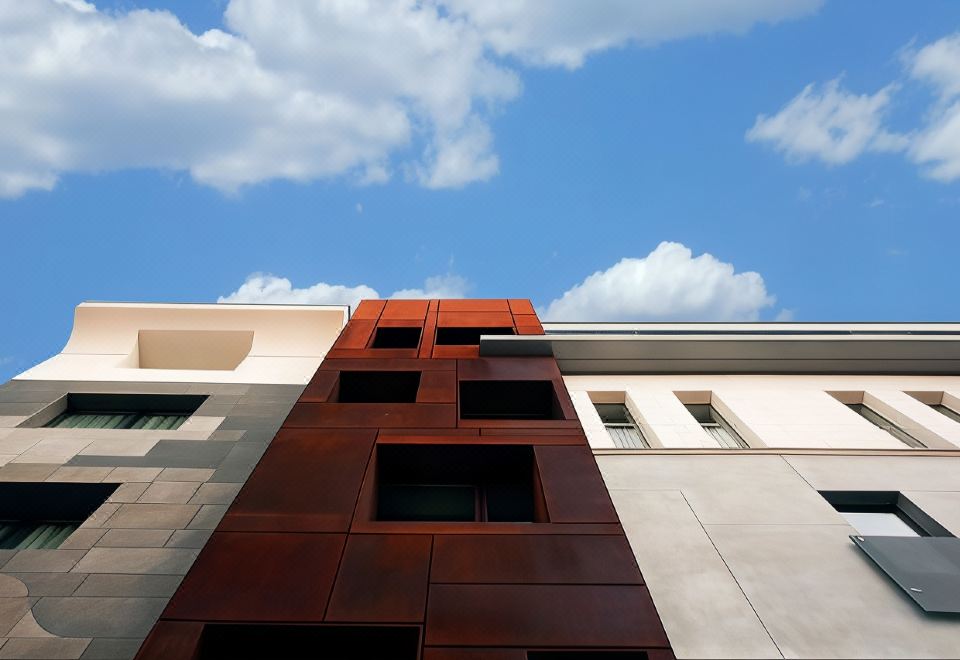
(947, 411)
(157, 412)
(620, 425)
(378, 386)
(455, 483)
(360, 642)
(883, 513)
(42, 515)
(882, 422)
(713, 423)
(397, 337)
(600, 654)
(467, 336)
(508, 399)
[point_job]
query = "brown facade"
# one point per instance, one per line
(420, 501)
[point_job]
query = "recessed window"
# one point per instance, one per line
(42, 515)
(713, 423)
(237, 640)
(508, 399)
(389, 337)
(378, 386)
(148, 412)
(467, 336)
(587, 655)
(883, 513)
(624, 432)
(882, 422)
(455, 483)
(947, 411)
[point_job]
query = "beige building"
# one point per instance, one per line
(789, 490)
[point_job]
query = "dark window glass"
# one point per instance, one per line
(396, 338)
(159, 412)
(467, 336)
(235, 640)
(378, 386)
(43, 515)
(508, 399)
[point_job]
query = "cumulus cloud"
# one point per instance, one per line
(302, 89)
(260, 288)
(669, 284)
(836, 126)
(830, 124)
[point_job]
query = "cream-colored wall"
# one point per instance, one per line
(773, 411)
(274, 344)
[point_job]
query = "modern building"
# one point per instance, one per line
(451, 479)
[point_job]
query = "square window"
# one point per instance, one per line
(43, 515)
(467, 336)
(456, 483)
(399, 337)
(147, 412)
(508, 399)
(378, 386)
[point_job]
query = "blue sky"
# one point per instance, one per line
(563, 148)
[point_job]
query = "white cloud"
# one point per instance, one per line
(260, 288)
(937, 145)
(669, 284)
(301, 89)
(830, 124)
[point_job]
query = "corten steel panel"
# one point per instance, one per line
(542, 615)
(572, 486)
(259, 577)
(475, 305)
(382, 579)
(368, 310)
(407, 310)
(308, 481)
(521, 306)
(372, 415)
(475, 320)
(533, 559)
(355, 335)
(482, 591)
(172, 639)
(438, 387)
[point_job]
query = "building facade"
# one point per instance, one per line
(453, 479)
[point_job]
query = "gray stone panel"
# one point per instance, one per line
(111, 649)
(110, 585)
(137, 561)
(98, 617)
(45, 648)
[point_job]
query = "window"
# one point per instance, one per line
(604, 654)
(43, 515)
(883, 513)
(148, 412)
(713, 423)
(620, 425)
(378, 386)
(455, 483)
(238, 640)
(467, 336)
(399, 337)
(882, 422)
(944, 410)
(508, 399)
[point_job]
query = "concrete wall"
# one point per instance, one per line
(98, 595)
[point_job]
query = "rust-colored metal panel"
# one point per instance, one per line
(528, 368)
(368, 310)
(429, 331)
(364, 525)
(308, 481)
(456, 351)
(572, 486)
(370, 361)
(414, 310)
(382, 579)
(171, 639)
(418, 435)
(438, 387)
(320, 387)
(521, 306)
(475, 320)
(530, 324)
(475, 305)
(533, 559)
(356, 335)
(542, 615)
(372, 415)
(438, 653)
(259, 577)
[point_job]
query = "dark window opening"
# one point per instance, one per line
(587, 655)
(882, 422)
(378, 386)
(623, 431)
(456, 483)
(233, 640)
(883, 513)
(508, 399)
(714, 424)
(396, 338)
(467, 336)
(43, 515)
(160, 412)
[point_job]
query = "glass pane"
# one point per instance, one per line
(949, 412)
(878, 524)
(613, 413)
(627, 437)
(882, 422)
(426, 502)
